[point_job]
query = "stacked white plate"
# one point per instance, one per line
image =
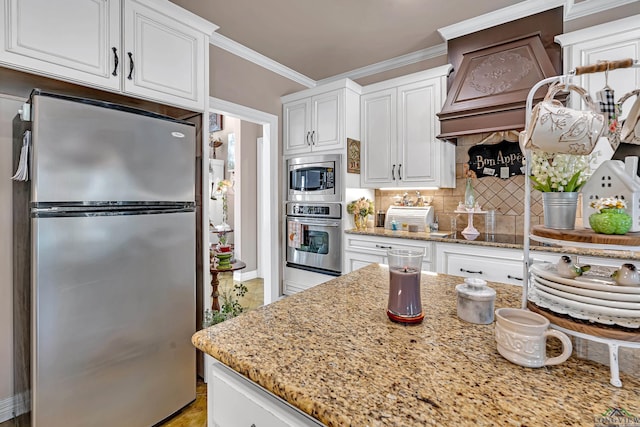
(594, 296)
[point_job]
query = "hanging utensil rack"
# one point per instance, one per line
(613, 341)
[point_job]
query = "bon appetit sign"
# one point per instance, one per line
(501, 160)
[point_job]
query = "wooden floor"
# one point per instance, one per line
(195, 415)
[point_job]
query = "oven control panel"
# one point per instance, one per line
(319, 210)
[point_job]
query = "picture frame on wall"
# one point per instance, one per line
(215, 122)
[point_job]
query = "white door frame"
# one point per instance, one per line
(268, 252)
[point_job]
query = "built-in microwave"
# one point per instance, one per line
(314, 178)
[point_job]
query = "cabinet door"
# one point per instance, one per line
(297, 127)
(418, 148)
(42, 36)
(379, 165)
(233, 400)
(164, 58)
(327, 112)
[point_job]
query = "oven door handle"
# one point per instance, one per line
(322, 223)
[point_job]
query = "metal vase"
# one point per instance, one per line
(560, 210)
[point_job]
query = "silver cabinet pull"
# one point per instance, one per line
(313, 140)
(470, 271)
(383, 247)
(400, 172)
(514, 277)
(307, 138)
(393, 172)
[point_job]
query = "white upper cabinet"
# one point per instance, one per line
(607, 42)
(314, 123)
(321, 119)
(399, 128)
(164, 56)
(296, 116)
(379, 159)
(72, 39)
(145, 48)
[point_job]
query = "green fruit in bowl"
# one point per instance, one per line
(610, 221)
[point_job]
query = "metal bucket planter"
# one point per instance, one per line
(560, 210)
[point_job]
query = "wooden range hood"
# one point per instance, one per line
(494, 71)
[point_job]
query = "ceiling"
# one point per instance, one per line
(321, 39)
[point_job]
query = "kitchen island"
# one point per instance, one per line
(331, 352)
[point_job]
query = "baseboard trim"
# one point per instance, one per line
(240, 276)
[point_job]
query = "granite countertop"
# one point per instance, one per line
(496, 240)
(332, 352)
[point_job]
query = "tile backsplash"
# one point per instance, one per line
(506, 196)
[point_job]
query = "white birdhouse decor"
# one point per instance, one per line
(617, 180)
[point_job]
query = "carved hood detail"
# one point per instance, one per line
(491, 81)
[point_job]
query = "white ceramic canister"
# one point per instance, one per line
(476, 301)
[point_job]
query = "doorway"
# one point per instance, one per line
(267, 207)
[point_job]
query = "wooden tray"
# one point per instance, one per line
(585, 327)
(585, 235)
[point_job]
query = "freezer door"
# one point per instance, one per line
(87, 152)
(114, 314)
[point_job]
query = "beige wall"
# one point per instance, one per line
(246, 167)
(8, 110)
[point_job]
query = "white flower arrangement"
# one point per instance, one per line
(362, 207)
(552, 172)
(608, 203)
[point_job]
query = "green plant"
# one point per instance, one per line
(230, 306)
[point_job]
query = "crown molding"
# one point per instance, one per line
(624, 25)
(390, 64)
(257, 58)
(575, 10)
(498, 17)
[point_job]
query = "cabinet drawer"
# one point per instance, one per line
(380, 245)
(356, 260)
(235, 401)
(487, 268)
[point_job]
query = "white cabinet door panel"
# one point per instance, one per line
(325, 126)
(42, 36)
(417, 144)
(379, 165)
(296, 126)
(235, 401)
(167, 57)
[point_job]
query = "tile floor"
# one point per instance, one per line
(195, 415)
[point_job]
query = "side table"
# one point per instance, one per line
(236, 265)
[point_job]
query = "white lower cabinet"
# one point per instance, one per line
(488, 263)
(296, 280)
(233, 400)
(361, 250)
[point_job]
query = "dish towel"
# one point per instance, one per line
(22, 173)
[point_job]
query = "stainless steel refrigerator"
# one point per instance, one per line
(113, 241)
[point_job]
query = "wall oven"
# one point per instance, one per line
(314, 178)
(314, 237)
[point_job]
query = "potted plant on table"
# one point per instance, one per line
(560, 177)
